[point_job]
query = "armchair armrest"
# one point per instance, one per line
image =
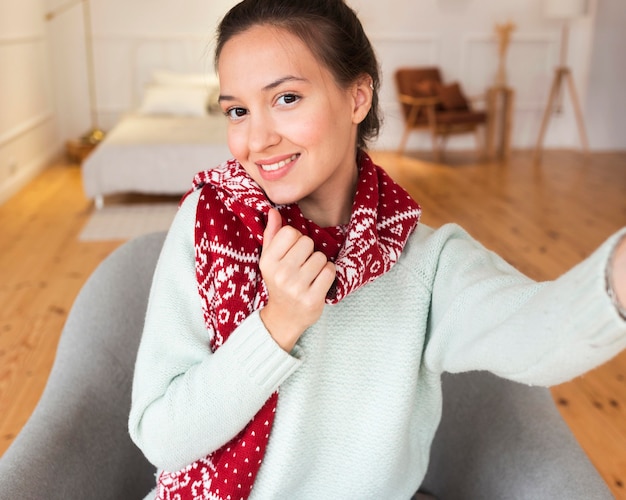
(518, 447)
(418, 101)
(477, 97)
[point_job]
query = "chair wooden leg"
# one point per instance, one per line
(403, 140)
(436, 155)
(490, 128)
(442, 147)
(478, 140)
(509, 109)
(554, 90)
(577, 112)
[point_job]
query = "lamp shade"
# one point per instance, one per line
(565, 9)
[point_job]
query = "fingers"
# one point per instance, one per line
(284, 242)
(297, 279)
(290, 261)
(317, 270)
(274, 223)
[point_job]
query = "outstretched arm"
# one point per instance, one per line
(487, 316)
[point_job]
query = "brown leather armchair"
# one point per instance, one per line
(429, 105)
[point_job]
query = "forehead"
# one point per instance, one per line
(265, 49)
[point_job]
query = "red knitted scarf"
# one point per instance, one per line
(230, 221)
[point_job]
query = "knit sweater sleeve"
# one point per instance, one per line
(188, 401)
(485, 315)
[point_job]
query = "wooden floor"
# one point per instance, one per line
(543, 220)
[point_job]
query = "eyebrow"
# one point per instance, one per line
(270, 86)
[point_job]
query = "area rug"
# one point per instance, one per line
(124, 222)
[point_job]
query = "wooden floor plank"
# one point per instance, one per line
(43, 266)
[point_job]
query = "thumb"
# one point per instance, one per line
(274, 223)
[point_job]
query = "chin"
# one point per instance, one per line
(282, 198)
(282, 201)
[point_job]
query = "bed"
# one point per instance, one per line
(157, 149)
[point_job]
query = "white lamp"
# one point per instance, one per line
(565, 11)
(95, 135)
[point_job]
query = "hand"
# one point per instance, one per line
(297, 280)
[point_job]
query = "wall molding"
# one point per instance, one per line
(403, 37)
(25, 127)
(549, 42)
(21, 39)
(432, 40)
(152, 37)
(515, 38)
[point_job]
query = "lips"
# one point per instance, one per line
(272, 167)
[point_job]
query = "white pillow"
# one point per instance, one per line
(170, 100)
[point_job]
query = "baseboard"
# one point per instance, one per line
(27, 173)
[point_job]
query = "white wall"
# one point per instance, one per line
(28, 129)
(606, 103)
(459, 37)
(133, 38)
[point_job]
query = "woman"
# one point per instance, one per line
(300, 318)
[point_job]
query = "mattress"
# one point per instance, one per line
(154, 155)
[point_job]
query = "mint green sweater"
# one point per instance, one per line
(360, 394)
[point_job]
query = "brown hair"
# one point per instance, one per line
(329, 28)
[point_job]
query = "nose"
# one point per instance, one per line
(262, 132)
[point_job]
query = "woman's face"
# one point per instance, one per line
(290, 125)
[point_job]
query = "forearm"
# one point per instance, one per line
(185, 409)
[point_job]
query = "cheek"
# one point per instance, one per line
(236, 143)
(305, 135)
(332, 124)
(310, 129)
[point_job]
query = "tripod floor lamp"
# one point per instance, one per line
(565, 10)
(95, 135)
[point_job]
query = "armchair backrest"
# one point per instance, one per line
(407, 80)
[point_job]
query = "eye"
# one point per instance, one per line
(236, 113)
(287, 99)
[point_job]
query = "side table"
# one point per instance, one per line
(77, 150)
(500, 108)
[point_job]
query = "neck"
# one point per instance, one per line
(327, 211)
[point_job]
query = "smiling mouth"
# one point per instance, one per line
(271, 167)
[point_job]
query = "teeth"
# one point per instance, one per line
(275, 166)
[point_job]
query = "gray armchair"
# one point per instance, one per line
(497, 439)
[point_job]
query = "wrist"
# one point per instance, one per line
(284, 333)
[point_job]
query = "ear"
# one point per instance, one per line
(362, 93)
